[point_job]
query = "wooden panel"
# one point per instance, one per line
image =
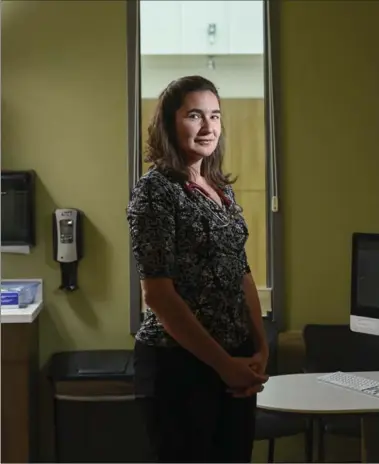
(245, 154)
(254, 212)
(245, 158)
(19, 388)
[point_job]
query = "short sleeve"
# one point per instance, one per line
(151, 218)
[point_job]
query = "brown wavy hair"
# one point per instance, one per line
(162, 147)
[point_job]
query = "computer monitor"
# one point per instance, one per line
(364, 310)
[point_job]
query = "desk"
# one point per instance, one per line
(303, 394)
(21, 315)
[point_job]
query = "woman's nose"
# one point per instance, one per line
(207, 124)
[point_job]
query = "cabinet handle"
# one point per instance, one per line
(212, 29)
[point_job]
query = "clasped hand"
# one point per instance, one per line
(245, 376)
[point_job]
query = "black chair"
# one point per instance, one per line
(331, 348)
(272, 425)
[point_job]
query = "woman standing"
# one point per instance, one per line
(201, 352)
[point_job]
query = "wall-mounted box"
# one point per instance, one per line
(18, 208)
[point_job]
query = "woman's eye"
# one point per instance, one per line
(213, 117)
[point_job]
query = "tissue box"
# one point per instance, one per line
(18, 294)
(9, 299)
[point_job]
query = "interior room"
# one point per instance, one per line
(80, 81)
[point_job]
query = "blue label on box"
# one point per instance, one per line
(9, 298)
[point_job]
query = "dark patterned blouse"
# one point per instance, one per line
(179, 233)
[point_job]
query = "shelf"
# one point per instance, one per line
(23, 315)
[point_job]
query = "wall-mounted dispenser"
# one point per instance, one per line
(17, 208)
(68, 244)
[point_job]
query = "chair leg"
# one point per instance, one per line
(309, 442)
(56, 434)
(271, 450)
(321, 441)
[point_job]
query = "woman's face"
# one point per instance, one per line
(198, 125)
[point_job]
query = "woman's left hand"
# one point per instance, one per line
(258, 363)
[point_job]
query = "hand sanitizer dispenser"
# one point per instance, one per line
(68, 244)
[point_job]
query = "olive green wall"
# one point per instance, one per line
(329, 75)
(64, 114)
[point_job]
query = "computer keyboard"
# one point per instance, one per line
(352, 382)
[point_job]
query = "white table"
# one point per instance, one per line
(304, 394)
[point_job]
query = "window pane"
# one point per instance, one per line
(222, 41)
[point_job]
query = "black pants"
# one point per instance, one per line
(189, 415)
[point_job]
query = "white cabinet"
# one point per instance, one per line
(201, 27)
(161, 26)
(246, 27)
(205, 27)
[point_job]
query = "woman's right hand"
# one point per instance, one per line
(238, 375)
